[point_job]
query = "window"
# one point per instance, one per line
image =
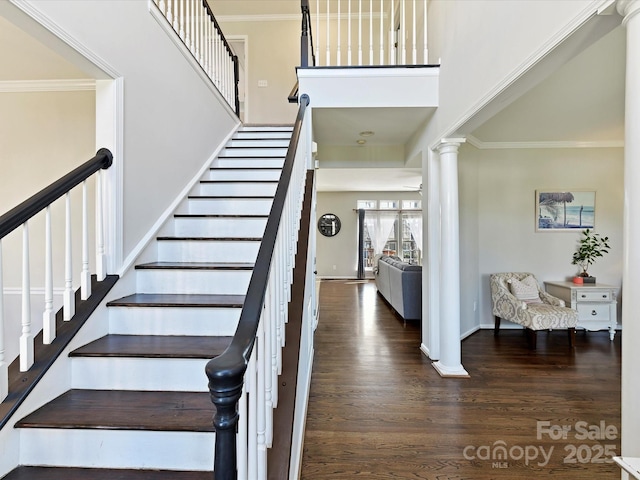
(391, 230)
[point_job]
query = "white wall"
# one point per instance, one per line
(485, 46)
(342, 249)
(506, 181)
(172, 120)
(273, 55)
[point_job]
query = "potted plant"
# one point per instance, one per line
(590, 247)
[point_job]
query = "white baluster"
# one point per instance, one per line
(181, 22)
(4, 367)
(26, 339)
(261, 403)
(425, 55)
(370, 32)
(359, 32)
(267, 372)
(242, 435)
(252, 447)
(69, 297)
(187, 24)
(198, 21)
(48, 316)
(328, 37)
(414, 46)
(403, 30)
(392, 32)
(101, 258)
(349, 20)
(274, 334)
(161, 7)
(168, 15)
(318, 31)
(382, 32)
(339, 29)
(85, 275)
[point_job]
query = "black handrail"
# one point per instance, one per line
(27, 209)
(226, 372)
(234, 57)
(306, 36)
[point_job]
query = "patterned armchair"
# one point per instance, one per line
(518, 298)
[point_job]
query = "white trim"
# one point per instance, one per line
(152, 232)
(245, 40)
(544, 144)
(469, 332)
(60, 85)
(186, 53)
(401, 71)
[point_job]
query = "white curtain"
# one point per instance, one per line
(415, 225)
(379, 225)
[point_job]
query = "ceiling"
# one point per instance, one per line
(582, 103)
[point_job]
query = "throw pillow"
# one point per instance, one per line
(525, 290)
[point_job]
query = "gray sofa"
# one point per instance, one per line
(400, 284)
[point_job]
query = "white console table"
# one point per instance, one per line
(596, 303)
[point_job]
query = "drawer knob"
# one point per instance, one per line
(604, 296)
(583, 296)
(593, 312)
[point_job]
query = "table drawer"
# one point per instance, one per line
(594, 296)
(593, 311)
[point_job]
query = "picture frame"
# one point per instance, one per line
(565, 210)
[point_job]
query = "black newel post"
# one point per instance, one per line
(304, 38)
(236, 81)
(225, 388)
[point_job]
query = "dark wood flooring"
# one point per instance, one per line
(379, 410)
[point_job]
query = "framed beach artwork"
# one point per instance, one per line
(565, 210)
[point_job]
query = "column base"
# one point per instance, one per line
(450, 372)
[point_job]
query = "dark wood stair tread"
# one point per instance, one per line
(125, 410)
(65, 473)
(195, 266)
(218, 215)
(178, 300)
(212, 239)
(154, 346)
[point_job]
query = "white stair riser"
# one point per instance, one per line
(220, 282)
(237, 189)
(249, 162)
(254, 152)
(223, 206)
(259, 141)
(219, 227)
(150, 374)
(259, 135)
(117, 449)
(173, 321)
(266, 128)
(242, 174)
(207, 251)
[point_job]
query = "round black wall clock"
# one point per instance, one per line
(329, 225)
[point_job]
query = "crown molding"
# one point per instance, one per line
(543, 144)
(69, 85)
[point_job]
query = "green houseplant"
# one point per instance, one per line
(591, 246)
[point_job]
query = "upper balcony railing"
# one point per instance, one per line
(194, 22)
(365, 32)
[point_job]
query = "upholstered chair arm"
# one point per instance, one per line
(551, 300)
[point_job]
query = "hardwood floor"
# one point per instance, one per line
(379, 410)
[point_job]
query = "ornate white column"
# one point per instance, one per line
(630, 10)
(449, 364)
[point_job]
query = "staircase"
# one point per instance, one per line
(139, 405)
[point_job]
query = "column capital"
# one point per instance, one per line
(450, 142)
(628, 9)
